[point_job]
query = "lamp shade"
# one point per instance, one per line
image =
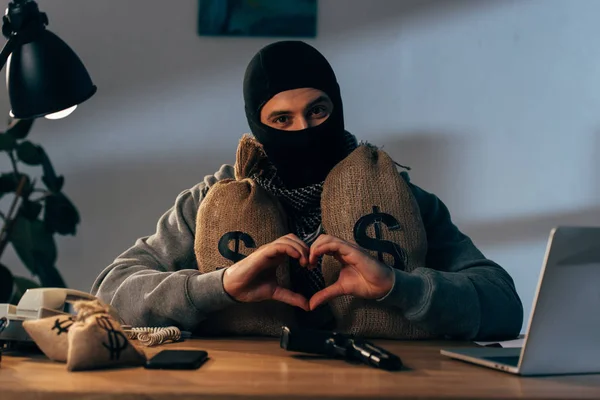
(44, 76)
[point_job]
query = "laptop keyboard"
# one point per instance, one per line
(508, 360)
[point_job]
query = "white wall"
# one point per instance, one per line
(495, 105)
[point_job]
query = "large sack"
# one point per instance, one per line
(365, 200)
(235, 218)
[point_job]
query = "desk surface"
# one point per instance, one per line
(259, 368)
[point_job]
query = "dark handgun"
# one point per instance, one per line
(338, 345)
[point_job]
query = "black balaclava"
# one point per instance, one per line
(306, 156)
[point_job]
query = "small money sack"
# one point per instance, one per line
(97, 340)
(236, 217)
(50, 334)
(365, 200)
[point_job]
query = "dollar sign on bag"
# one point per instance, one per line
(117, 342)
(237, 236)
(62, 326)
(376, 244)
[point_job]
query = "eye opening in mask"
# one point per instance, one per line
(297, 109)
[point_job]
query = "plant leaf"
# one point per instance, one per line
(60, 215)
(34, 244)
(30, 210)
(7, 142)
(19, 128)
(53, 182)
(30, 153)
(20, 287)
(10, 181)
(50, 277)
(6, 284)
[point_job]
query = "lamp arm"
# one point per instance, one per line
(8, 48)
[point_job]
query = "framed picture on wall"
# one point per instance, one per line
(266, 18)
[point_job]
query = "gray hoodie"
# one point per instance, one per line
(460, 294)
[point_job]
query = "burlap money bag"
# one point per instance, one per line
(234, 219)
(97, 340)
(50, 334)
(365, 200)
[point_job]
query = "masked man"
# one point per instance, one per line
(310, 228)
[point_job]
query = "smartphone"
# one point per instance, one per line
(177, 359)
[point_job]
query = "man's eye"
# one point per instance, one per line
(281, 120)
(318, 111)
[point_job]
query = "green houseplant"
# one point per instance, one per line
(37, 211)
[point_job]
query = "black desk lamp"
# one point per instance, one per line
(45, 78)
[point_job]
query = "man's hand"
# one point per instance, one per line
(361, 275)
(254, 278)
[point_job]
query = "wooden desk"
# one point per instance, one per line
(241, 369)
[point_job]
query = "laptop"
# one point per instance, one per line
(563, 333)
